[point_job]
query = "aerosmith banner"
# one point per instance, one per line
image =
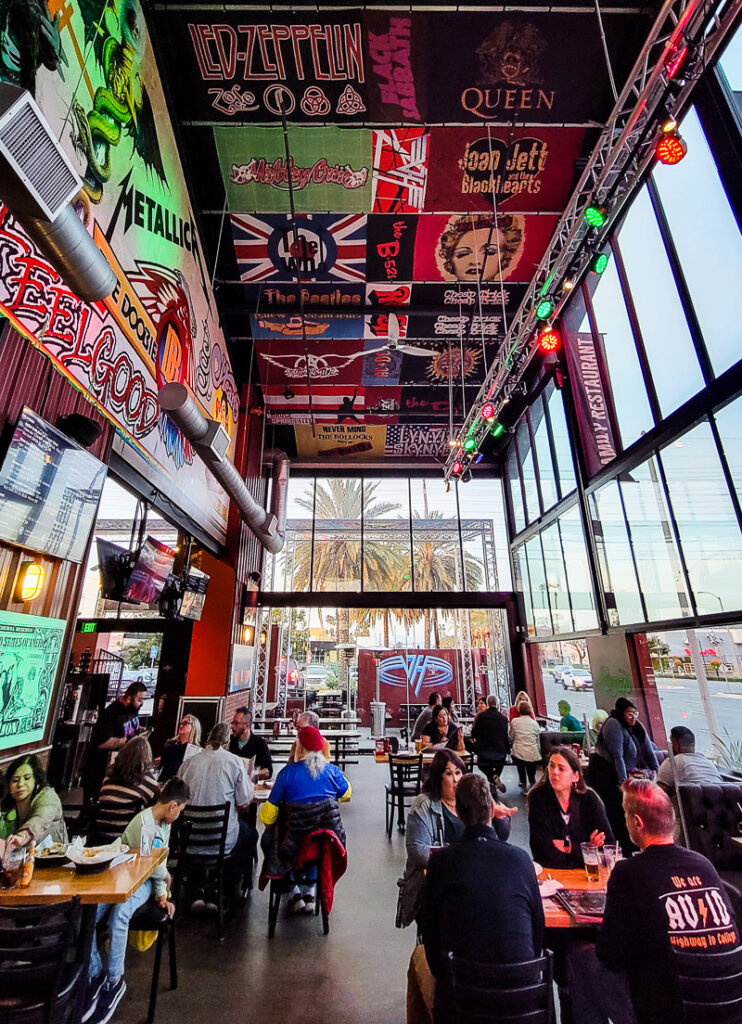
(91, 68)
(381, 66)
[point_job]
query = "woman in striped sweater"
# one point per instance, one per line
(129, 787)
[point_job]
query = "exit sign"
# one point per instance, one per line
(88, 627)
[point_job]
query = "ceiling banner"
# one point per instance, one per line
(316, 247)
(356, 441)
(400, 169)
(329, 169)
(518, 170)
(385, 66)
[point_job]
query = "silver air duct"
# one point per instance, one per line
(37, 184)
(211, 441)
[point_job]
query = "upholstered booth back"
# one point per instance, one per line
(549, 740)
(712, 817)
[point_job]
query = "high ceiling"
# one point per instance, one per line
(376, 187)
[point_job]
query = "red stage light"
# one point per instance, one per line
(670, 149)
(488, 411)
(548, 339)
(456, 468)
(675, 59)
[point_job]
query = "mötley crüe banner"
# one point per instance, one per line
(160, 323)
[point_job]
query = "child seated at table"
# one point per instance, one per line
(108, 985)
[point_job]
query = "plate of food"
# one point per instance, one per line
(89, 859)
(51, 855)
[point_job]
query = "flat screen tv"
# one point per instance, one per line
(114, 569)
(194, 594)
(49, 490)
(152, 568)
(30, 647)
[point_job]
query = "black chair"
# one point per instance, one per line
(405, 778)
(152, 918)
(77, 818)
(281, 886)
(41, 971)
(549, 740)
(712, 816)
(710, 986)
(208, 832)
(519, 993)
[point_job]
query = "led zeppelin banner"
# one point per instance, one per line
(389, 249)
(93, 73)
(592, 402)
(382, 67)
(516, 170)
(329, 169)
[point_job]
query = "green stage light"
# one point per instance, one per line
(545, 308)
(599, 262)
(595, 216)
(498, 429)
(470, 444)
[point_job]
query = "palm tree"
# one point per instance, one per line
(337, 560)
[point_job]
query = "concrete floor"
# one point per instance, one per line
(354, 975)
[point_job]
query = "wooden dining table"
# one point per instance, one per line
(60, 883)
(571, 878)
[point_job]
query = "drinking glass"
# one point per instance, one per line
(146, 839)
(608, 858)
(591, 857)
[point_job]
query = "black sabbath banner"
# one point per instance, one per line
(593, 402)
(377, 66)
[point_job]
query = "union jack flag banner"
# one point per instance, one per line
(315, 247)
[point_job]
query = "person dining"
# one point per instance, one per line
(247, 745)
(622, 748)
(186, 744)
(563, 813)
(520, 697)
(441, 732)
(309, 789)
(568, 722)
(31, 811)
(525, 745)
(489, 737)
(129, 787)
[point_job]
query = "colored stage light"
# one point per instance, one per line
(595, 216)
(470, 444)
(670, 149)
(599, 262)
(498, 429)
(548, 339)
(456, 468)
(488, 412)
(545, 308)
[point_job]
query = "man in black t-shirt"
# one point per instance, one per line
(244, 743)
(118, 723)
(662, 898)
(491, 742)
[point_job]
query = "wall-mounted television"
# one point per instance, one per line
(30, 647)
(194, 594)
(153, 566)
(49, 490)
(114, 569)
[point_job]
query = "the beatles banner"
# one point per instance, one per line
(92, 70)
(385, 66)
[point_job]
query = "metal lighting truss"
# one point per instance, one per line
(623, 152)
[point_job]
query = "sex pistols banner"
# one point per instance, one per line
(375, 66)
(94, 76)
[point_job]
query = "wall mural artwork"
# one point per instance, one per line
(92, 70)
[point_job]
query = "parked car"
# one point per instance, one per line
(573, 678)
(556, 671)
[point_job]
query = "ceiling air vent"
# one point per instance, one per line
(37, 177)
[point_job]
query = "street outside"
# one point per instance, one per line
(680, 700)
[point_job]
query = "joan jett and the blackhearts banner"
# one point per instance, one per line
(407, 170)
(92, 70)
(382, 67)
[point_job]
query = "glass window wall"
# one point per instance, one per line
(707, 239)
(707, 523)
(556, 580)
(614, 554)
(528, 471)
(560, 435)
(539, 589)
(578, 573)
(658, 307)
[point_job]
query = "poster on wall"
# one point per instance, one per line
(243, 658)
(30, 647)
(93, 74)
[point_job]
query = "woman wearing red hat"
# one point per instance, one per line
(310, 789)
